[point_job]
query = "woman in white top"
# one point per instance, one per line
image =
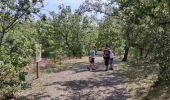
(111, 60)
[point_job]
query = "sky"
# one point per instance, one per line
(52, 5)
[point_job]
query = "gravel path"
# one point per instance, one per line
(77, 84)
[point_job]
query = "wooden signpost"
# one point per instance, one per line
(38, 59)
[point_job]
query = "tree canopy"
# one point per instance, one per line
(140, 27)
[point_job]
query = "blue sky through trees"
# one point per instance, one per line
(52, 5)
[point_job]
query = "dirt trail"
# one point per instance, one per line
(77, 84)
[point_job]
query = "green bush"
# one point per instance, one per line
(15, 53)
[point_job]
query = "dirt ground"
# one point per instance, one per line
(77, 83)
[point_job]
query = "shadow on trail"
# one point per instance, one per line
(99, 65)
(34, 96)
(101, 85)
(94, 89)
(82, 67)
(77, 66)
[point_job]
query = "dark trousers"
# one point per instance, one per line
(106, 59)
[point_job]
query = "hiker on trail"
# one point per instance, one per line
(111, 60)
(91, 54)
(106, 56)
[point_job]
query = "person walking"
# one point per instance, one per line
(106, 56)
(91, 54)
(111, 60)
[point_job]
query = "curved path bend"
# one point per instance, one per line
(78, 84)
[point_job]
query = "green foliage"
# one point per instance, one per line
(66, 34)
(14, 12)
(17, 49)
(110, 33)
(142, 25)
(16, 42)
(163, 56)
(145, 25)
(148, 26)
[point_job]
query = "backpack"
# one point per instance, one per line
(106, 53)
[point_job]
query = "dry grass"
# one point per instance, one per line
(50, 66)
(138, 79)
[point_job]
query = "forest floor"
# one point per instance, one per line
(72, 81)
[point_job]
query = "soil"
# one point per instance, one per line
(78, 83)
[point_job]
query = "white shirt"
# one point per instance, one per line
(111, 54)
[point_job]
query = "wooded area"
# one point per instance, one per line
(138, 29)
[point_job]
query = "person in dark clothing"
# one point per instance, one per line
(106, 56)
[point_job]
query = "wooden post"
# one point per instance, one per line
(37, 69)
(38, 59)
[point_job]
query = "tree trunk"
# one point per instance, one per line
(2, 33)
(126, 53)
(0, 41)
(147, 53)
(127, 42)
(141, 52)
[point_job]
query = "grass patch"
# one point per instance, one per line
(59, 68)
(138, 79)
(161, 92)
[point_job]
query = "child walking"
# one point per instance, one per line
(91, 54)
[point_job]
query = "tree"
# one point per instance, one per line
(13, 12)
(110, 33)
(15, 46)
(16, 52)
(145, 27)
(66, 34)
(164, 53)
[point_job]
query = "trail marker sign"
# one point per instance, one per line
(38, 58)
